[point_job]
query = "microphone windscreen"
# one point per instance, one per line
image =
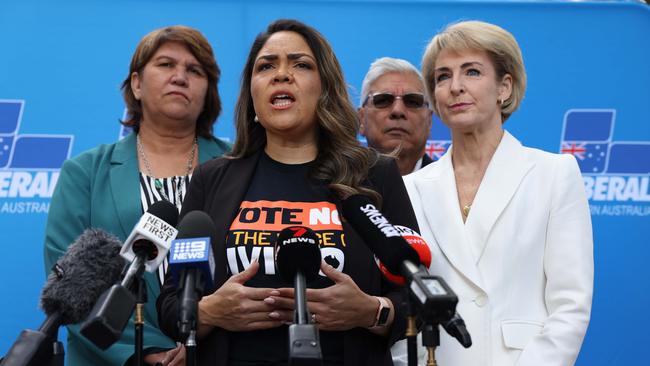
(297, 250)
(381, 237)
(166, 211)
(191, 248)
(89, 266)
(196, 224)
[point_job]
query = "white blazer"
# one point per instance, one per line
(522, 263)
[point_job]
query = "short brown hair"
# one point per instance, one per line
(200, 48)
(501, 47)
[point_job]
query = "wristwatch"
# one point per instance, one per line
(382, 313)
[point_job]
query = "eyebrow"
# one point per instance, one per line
(463, 66)
(176, 60)
(290, 56)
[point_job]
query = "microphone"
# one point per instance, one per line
(298, 259)
(146, 247)
(436, 300)
(416, 242)
(455, 326)
(192, 266)
(89, 266)
(152, 235)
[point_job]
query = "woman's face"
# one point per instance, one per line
(171, 86)
(467, 90)
(286, 86)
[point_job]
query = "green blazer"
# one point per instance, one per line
(101, 189)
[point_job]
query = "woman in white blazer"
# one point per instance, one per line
(508, 226)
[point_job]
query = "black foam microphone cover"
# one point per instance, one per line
(90, 265)
(297, 250)
(196, 224)
(381, 237)
(166, 211)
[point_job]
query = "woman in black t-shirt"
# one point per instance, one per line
(295, 158)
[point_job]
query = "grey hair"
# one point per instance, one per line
(384, 65)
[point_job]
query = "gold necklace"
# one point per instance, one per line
(466, 209)
(157, 182)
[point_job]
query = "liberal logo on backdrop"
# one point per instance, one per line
(29, 163)
(616, 173)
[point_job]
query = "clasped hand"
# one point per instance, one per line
(341, 306)
(236, 307)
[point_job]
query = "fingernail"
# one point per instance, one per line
(269, 300)
(274, 315)
(275, 293)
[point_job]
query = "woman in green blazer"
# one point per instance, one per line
(173, 101)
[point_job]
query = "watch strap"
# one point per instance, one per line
(383, 312)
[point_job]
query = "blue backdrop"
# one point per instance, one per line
(62, 62)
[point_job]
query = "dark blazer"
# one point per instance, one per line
(218, 188)
(426, 160)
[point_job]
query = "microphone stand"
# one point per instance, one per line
(431, 340)
(435, 303)
(411, 331)
(190, 348)
(139, 321)
(188, 295)
(304, 343)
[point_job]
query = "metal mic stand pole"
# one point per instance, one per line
(190, 349)
(304, 341)
(141, 290)
(431, 340)
(411, 330)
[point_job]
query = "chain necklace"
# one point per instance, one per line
(157, 182)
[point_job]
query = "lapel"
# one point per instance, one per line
(226, 202)
(208, 149)
(426, 160)
(437, 192)
(126, 197)
(504, 174)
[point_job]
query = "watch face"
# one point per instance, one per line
(383, 316)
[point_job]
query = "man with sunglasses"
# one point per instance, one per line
(394, 113)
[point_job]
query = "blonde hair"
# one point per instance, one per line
(498, 43)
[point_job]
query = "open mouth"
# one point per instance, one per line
(282, 100)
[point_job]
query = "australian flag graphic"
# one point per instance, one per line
(28, 151)
(439, 139)
(588, 136)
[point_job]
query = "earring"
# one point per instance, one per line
(257, 120)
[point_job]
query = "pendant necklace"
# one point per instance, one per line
(180, 181)
(466, 209)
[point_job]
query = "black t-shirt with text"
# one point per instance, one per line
(281, 195)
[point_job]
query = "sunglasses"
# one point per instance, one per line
(385, 100)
